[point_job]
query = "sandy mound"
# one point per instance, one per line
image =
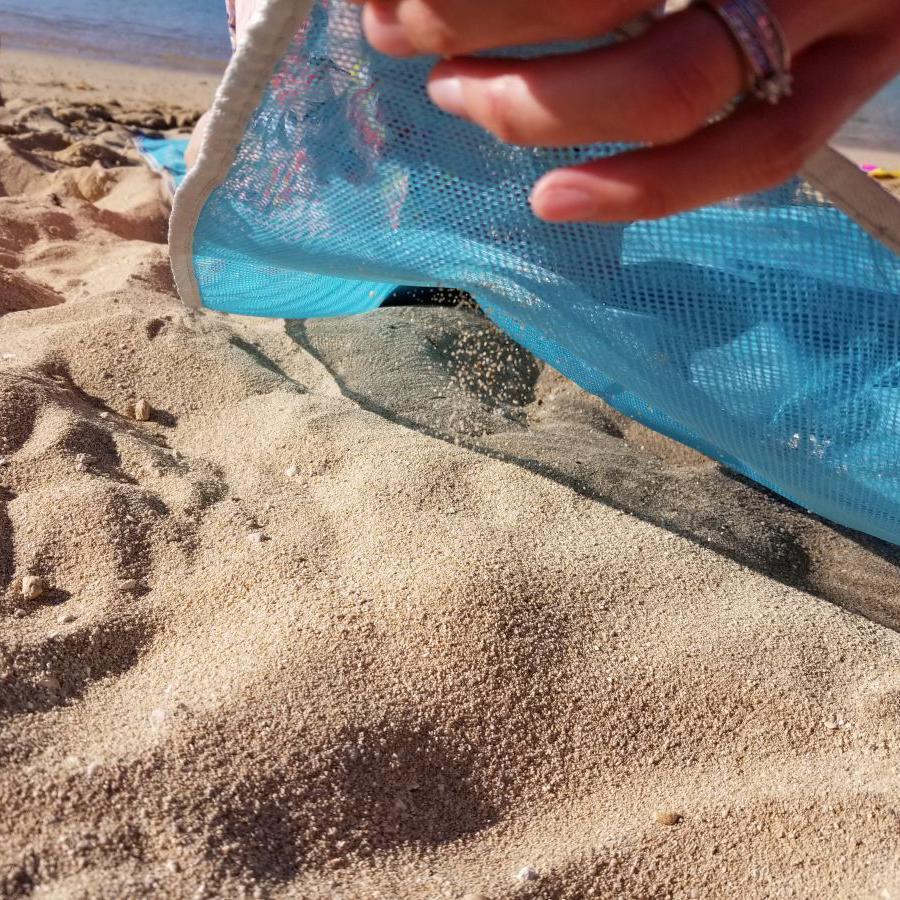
(383, 608)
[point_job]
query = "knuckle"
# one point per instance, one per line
(680, 101)
(501, 113)
(430, 33)
(786, 151)
(654, 202)
(576, 19)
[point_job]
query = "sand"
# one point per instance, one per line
(45, 76)
(383, 608)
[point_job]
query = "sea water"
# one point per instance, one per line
(182, 34)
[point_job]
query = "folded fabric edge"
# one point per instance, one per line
(268, 36)
(856, 194)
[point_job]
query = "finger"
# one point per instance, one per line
(460, 27)
(658, 88)
(757, 148)
(456, 27)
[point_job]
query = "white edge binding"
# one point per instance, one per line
(268, 36)
(857, 194)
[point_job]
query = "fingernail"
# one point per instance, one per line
(384, 31)
(563, 204)
(447, 93)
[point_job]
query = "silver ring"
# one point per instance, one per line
(763, 45)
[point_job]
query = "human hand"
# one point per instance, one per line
(659, 90)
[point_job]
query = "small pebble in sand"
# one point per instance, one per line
(158, 717)
(82, 462)
(92, 768)
(66, 618)
(19, 613)
(257, 537)
(830, 725)
(104, 415)
(142, 411)
(3, 462)
(34, 587)
(527, 873)
(130, 585)
(291, 471)
(667, 817)
(474, 897)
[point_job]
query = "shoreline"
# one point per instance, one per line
(199, 65)
(49, 76)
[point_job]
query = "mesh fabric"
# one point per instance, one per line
(764, 331)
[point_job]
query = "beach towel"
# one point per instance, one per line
(763, 331)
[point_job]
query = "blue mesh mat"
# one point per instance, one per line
(764, 332)
(164, 155)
